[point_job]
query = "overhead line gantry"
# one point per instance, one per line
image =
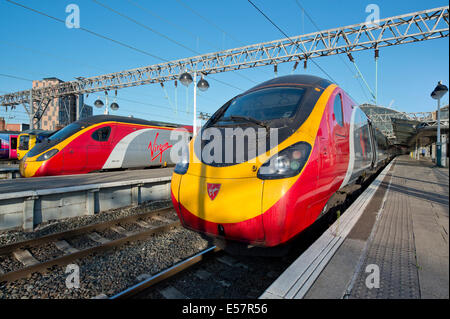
(401, 29)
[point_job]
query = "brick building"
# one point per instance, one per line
(12, 127)
(61, 111)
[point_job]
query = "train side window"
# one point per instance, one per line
(338, 109)
(102, 134)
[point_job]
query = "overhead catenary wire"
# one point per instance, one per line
(14, 77)
(48, 54)
(158, 33)
(186, 30)
(106, 38)
(144, 26)
(305, 12)
(90, 32)
(284, 33)
(214, 25)
(208, 21)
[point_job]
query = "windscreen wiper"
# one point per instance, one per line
(248, 119)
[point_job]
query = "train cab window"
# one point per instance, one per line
(267, 106)
(102, 134)
(65, 132)
(23, 143)
(338, 109)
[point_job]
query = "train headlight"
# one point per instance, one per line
(287, 163)
(183, 163)
(47, 155)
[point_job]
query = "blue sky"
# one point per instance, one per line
(33, 46)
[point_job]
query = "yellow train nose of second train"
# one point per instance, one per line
(28, 167)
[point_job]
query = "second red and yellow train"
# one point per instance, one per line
(103, 142)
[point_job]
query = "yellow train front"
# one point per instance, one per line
(235, 183)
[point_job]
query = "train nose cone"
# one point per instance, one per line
(222, 207)
(22, 166)
(29, 168)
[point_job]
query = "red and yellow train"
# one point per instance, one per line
(265, 195)
(103, 142)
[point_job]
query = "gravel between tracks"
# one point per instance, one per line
(111, 272)
(104, 273)
(52, 227)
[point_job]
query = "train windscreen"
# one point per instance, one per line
(65, 132)
(263, 106)
(24, 142)
(275, 113)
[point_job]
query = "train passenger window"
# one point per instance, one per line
(102, 134)
(338, 109)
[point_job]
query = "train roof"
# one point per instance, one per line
(10, 132)
(123, 119)
(296, 79)
(36, 131)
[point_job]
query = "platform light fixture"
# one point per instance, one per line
(185, 79)
(439, 91)
(99, 103)
(114, 106)
(203, 85)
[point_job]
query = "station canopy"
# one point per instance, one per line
(406, 128)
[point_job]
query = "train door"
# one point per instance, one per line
(326, 146)
(99, 147)
(373, 144)
(340, 137)
(74, 158)
(13, 147)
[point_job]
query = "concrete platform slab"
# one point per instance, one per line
(397, 249)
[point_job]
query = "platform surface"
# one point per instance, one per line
(49, 182)
(402, 233)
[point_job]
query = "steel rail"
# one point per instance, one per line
(165, 274)
(78, 231)
(66, 259)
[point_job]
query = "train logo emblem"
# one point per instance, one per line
(158, 149)
(213, 190)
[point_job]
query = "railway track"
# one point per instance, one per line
(166, 274)
(211, 273)
(21, 259)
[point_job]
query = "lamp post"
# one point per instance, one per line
(203, 85)
(439, 91)
(114, 106)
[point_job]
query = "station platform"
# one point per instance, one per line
(50, 182)
(27, 202)
(392, 243)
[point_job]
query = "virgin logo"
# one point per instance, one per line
(158, 149)
(213, 190)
